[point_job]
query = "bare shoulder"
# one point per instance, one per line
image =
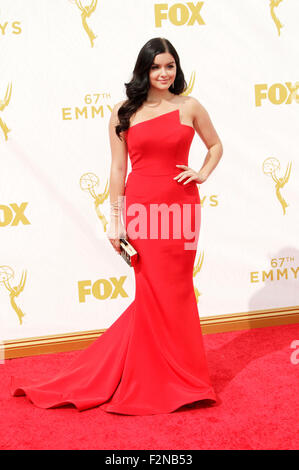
(202, 123)
(118, 144)
(114, 113)
(196, 108)
(114, 120)
(119, 104)
(192, 107)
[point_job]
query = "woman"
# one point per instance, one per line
(151, 360)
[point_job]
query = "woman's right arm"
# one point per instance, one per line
(118, 172)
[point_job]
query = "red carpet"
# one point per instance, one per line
(251, 371)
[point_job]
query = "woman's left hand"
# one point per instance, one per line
(196, 176)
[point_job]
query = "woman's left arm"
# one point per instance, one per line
(206, 131)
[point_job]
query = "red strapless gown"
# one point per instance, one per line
(152, 359)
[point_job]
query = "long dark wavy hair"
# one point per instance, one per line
(137, 88)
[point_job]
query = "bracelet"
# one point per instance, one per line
(116, 207)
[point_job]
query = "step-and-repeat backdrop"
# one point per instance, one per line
(63, 67)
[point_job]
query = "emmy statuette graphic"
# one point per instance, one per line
(274, 4)
(270, 168)
(88, 182)
(190, 85)
(3, 104)
(86, 12)
(196, 270)
(6, 273)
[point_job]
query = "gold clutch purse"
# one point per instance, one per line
(128, 252)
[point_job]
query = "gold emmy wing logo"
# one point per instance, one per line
(196, 270)
(3, 104)
(270, 168)
(190, 85)
(88, 182)
(274, 4)
(86, 12)
(6, 273)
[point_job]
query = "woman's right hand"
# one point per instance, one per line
(115, 232)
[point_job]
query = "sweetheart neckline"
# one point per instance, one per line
(161, 115)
